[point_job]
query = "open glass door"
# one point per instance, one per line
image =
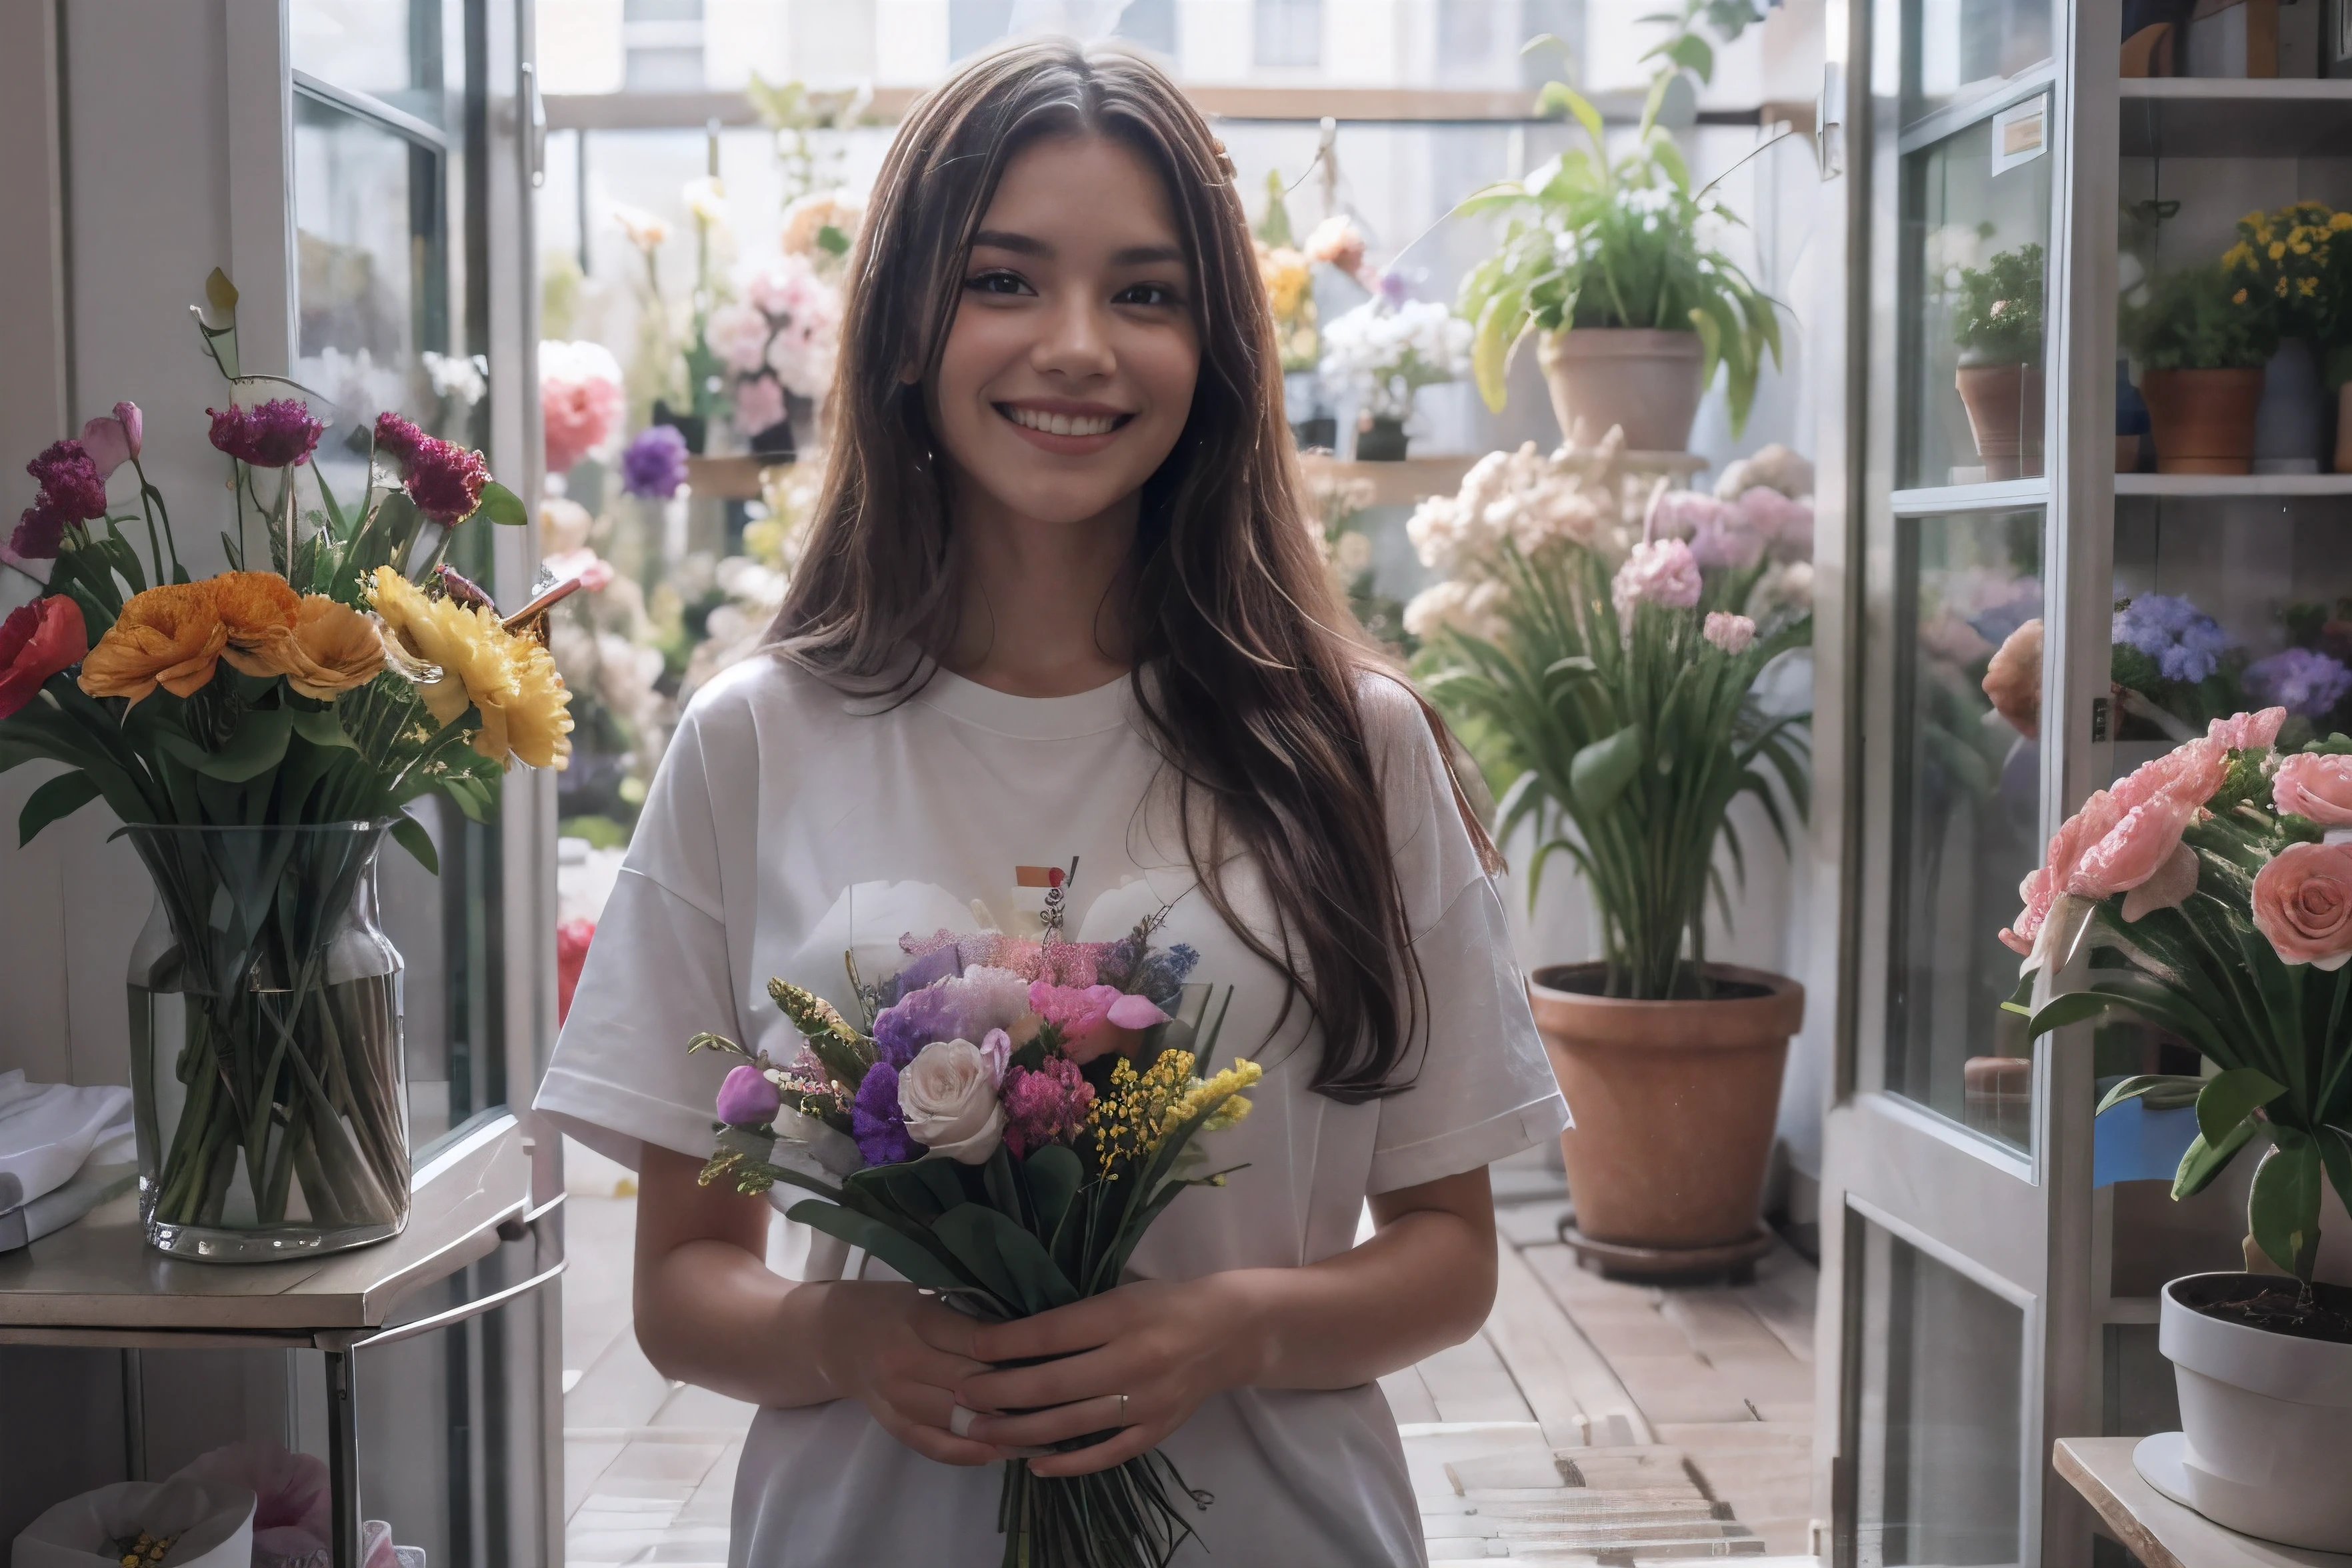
(1945, 1216)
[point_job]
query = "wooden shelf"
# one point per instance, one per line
(2234, 117)
(1410, 481)
(2160, 1532)
(2188, 486)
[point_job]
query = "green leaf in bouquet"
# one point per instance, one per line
(61, 796)
(921, 1190)
(257, 746)
(1003, 1188)
(1602, 770)
(410, 834)
(2072, 1007)
(2229, 1098)
(2282, 1211)
(2204, 1161)
(1054, 1174)
(321, 727)
(846, 1053)
(909, 1257)
(2162, 1091)
(1007, 1259)
(501, 506)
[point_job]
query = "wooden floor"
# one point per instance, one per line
(1590, 1422)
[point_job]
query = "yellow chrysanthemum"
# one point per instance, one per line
(2341, 221)
(2277, 249)
(2239, 255)
(511, 681)
(538, 719)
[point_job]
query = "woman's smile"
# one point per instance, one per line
(1070, 429)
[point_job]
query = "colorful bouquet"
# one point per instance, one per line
(2210, 894)
(1010, 1119)
(257, 731)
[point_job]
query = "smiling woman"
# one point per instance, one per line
(1061, 610)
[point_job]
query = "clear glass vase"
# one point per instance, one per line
(266, 1069)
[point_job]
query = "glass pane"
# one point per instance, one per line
(1975, 224)
(1936, 1412)
(1966, 812)
(1954, 50)
(390, 50)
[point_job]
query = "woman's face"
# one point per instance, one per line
(1069, 370)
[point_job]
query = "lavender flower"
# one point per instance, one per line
(2300, 681)
(277, 434)
(746, 1098)
(877, 1122)
(961, 1007)
(654, 463)
(2186, 643)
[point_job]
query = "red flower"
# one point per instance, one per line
(571, 939)
(277, 434)
(36, 641)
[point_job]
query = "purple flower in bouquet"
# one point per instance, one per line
(443, 478)
(654, 463)
(959, 1007)
(72, 490)
(1660, 571)
(1044, 1104)
(277, 434)
(2186, 643)
(746, 1098)
(876, 1119)
(2301, 680)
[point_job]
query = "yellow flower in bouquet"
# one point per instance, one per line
(330, 649)
(255, 608)
(170, 636)
(1143, 1109)
(460, 655)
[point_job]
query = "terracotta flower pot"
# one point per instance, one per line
(2005, 417)
(1674, 1104)
(2204, 419)
(1642, 380)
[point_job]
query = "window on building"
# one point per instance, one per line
(1289, 33)
(661, 42)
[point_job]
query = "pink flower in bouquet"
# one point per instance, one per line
(2134, 849)
(278, 434)
(36, 641)
(1787, 526)
(1659, 572)
(2105, 848)
(596, 572)
(759, 404)
(2245, 731)
(112, 439)
(1679, 514)
(1732, 633)
(579, 399)
(1095, 1019)
(1044, 1105)
(739, 336)
(746, 1098)
(2309, 784)
(293, 1507)
(2302, 903)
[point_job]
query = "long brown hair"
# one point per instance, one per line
(1256, 660)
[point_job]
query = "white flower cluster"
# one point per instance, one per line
(1383, 353)
(1531, 502)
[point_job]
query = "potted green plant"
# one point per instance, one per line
(2210, 894)
(2294, 262)
(2202, 340)
(1611, 262)
(1997, 322)
(1613, 688)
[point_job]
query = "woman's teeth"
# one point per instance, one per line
(1062, 424)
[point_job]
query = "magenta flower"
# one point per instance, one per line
(1660, 571)
(112, 439)
(1044, 1105)
(442, 478)
(72, 491)
(654, 463)
(398, 440)
(747, 1099)
(277, 434)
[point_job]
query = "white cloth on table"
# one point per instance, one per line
(789, 824)
(47, 1130)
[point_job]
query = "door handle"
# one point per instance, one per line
(1831, 157)
(535, 138)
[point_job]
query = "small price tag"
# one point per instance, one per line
(2020, 133)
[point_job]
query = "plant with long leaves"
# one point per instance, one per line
(1597, 241)
(2209, 895)
(1632, 720)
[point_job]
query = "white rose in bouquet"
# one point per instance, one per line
(949, 1095)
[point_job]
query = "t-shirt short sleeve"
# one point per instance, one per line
(1481, 1088)
(657, 972)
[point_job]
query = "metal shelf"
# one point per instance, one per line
(2182, 487)
(2234, 117)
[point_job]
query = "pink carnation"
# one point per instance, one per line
(1044, 1105)
(1679, 514)
(1732, 633)
(2315, 785)
(2112, 846)
(1660, 571)
(2243, 731)
(2302, 903)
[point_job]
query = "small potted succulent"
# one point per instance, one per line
(2201, 340)
(1996, 324)
(2209, 895)
(1615, 264)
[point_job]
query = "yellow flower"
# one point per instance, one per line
(1222, 1091)
(1288, 278)
(2341, 221)
(2239, 255)
(509, 681)
(2278, 248)
(170, 636)
(2238, 297)
(330, 649)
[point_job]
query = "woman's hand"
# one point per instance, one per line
(1165, 1346)
(902, 1355)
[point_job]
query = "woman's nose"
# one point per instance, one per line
(1075, 342)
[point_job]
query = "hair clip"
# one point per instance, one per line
(1224, 159)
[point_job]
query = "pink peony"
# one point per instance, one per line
(739, 336)
(2302, 903)
(1662, 572)
(2315, 785)
(1732, 633)
(2243, 731)
(580, 400)
(1083, 1015)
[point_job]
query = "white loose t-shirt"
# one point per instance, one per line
(789, 824)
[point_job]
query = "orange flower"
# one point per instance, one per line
(170, 636)
(256, 608)
(331, 647)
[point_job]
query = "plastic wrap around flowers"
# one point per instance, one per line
(1010, 1119)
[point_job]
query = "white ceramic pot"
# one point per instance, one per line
(1642, 380)
(2266, 1418)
